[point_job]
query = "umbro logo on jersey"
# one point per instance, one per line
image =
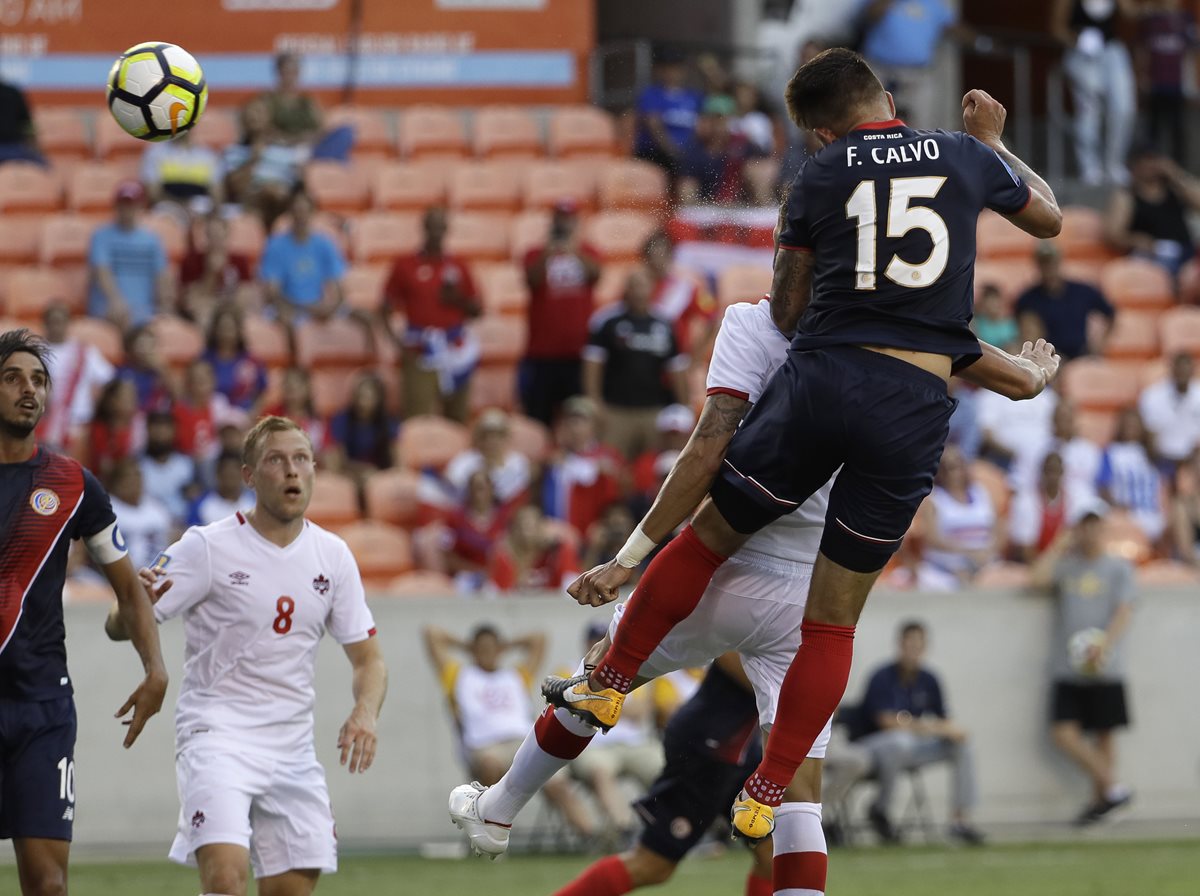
(239, 578)
(197, 819)
(321, 584)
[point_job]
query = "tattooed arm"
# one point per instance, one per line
(791, 288)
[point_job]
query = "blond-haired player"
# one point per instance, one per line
(256, 592)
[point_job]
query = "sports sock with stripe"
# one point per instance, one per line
(801, 856)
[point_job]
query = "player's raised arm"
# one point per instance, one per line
(983, 119)
(1018, 377)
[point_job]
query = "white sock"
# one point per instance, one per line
(531, 768)
(1116, 793)
(798, 830)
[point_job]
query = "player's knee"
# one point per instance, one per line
(227, 880)
(45, 880)
(1065, 734)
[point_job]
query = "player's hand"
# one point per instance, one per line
(155, 583)
(1042, 354)
(983, 116)
(600, 585)
(145, 702)
(357, 740)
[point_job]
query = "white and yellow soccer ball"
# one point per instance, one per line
(1079, 649)
(156, 91)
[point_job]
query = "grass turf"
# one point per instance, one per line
(1052, 869)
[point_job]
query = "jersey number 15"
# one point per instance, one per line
(901, 218)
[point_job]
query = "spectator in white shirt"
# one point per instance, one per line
(1016, 434)
(1170, 410)
(167, 474)
(1128, 477)
(144, 521)
(963, 533)
(507, 468)
(78, 372)
(1080, 457)
(1038, 514)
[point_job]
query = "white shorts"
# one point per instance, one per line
(753, 608)
(276, 807)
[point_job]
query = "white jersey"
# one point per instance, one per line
(491, 707)
(747, 352)
(966, 525)
(253, 615)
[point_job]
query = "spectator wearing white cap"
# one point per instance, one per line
(127, 264)
(492, 452)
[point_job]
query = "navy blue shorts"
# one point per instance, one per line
(37, 768)
(882, 420)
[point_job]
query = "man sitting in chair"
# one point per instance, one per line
(903, 724)
(492, 708)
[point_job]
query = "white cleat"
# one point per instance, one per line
(487, 838)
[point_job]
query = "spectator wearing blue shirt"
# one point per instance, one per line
(667, 112)
(363, 437)
(900, 41)
(302, 270)
(1074, 316)
(130, 279)
(1128, 477)
(241, 378)
(903, 724)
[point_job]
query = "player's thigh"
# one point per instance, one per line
(223, 868)
(838, 594)
(293, 821)
(300, 882)
(37, 790)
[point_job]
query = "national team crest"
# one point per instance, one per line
(321, 584)
(44, 501)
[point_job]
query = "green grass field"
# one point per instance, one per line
(1053, 869)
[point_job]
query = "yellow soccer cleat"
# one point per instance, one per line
(751, 819)
(600, 709)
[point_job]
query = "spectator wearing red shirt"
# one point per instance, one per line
(472, 531)
(296, 403)
(199, 413)
(1038, 513)
(682, 300)
(583, 479)
(436, 294)
(562, 276)
(118, 428)
(531, 557)
(210, 273)
(675, 423)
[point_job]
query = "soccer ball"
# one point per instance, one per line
(156, 91)
(1080, 644)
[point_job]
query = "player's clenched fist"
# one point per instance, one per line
(983, 116)
(599, 585)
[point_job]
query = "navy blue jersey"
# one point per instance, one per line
(44, 503)
(889, 214)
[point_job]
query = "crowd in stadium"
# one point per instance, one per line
(487, 335)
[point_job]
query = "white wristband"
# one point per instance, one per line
(635, 550)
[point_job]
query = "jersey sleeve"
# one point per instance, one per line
(741, 363)
(95, 511)
(795, 234)
(349, 619)
(186, 563)
(1003, 189)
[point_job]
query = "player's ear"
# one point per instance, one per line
(248, 476)
(891, 102)
(825, 135)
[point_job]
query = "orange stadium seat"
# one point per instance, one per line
(501, 338)
(1167, 572)
(619, 235)
(409, 186)
(334, 500)
(581, 130)
(530, 230)
(530, 437)
(372, 130)
(337, 187)
(62, 134)
(331, 389)
(547, 182)
(494, 386)
(170, 231)
(997, 237)
(103, 334)
(610, 287)
(428, 441)
(267, 341)
(25, 187)
(743, 283)
(337, 342)
(1084, 271)
(392, 496)
(632, 183)
(28, 291)
(382, 551)
(1099, 385)
(19, 238)
(91, 185)
(502, 287)
(1098, 427)
(483, 186)
(506, 130)
(1012, 275)
(432, 130)
(994, 482)
(363, 285)
(1082, 237)
(1180, 331)
(111, 142)
(179, 341)
(1134, 335)
(1152, 371)
(65, 239)
(1137, 283)
(382, 236)
(421, 583)
(247, 236)
(218, 129)
(478, 236)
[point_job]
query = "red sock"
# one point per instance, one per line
(554, 738)
(804, 871)
(608, 877)
(758, 886)
(666, 595)
(812, 688)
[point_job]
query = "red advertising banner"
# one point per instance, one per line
(382, 51)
